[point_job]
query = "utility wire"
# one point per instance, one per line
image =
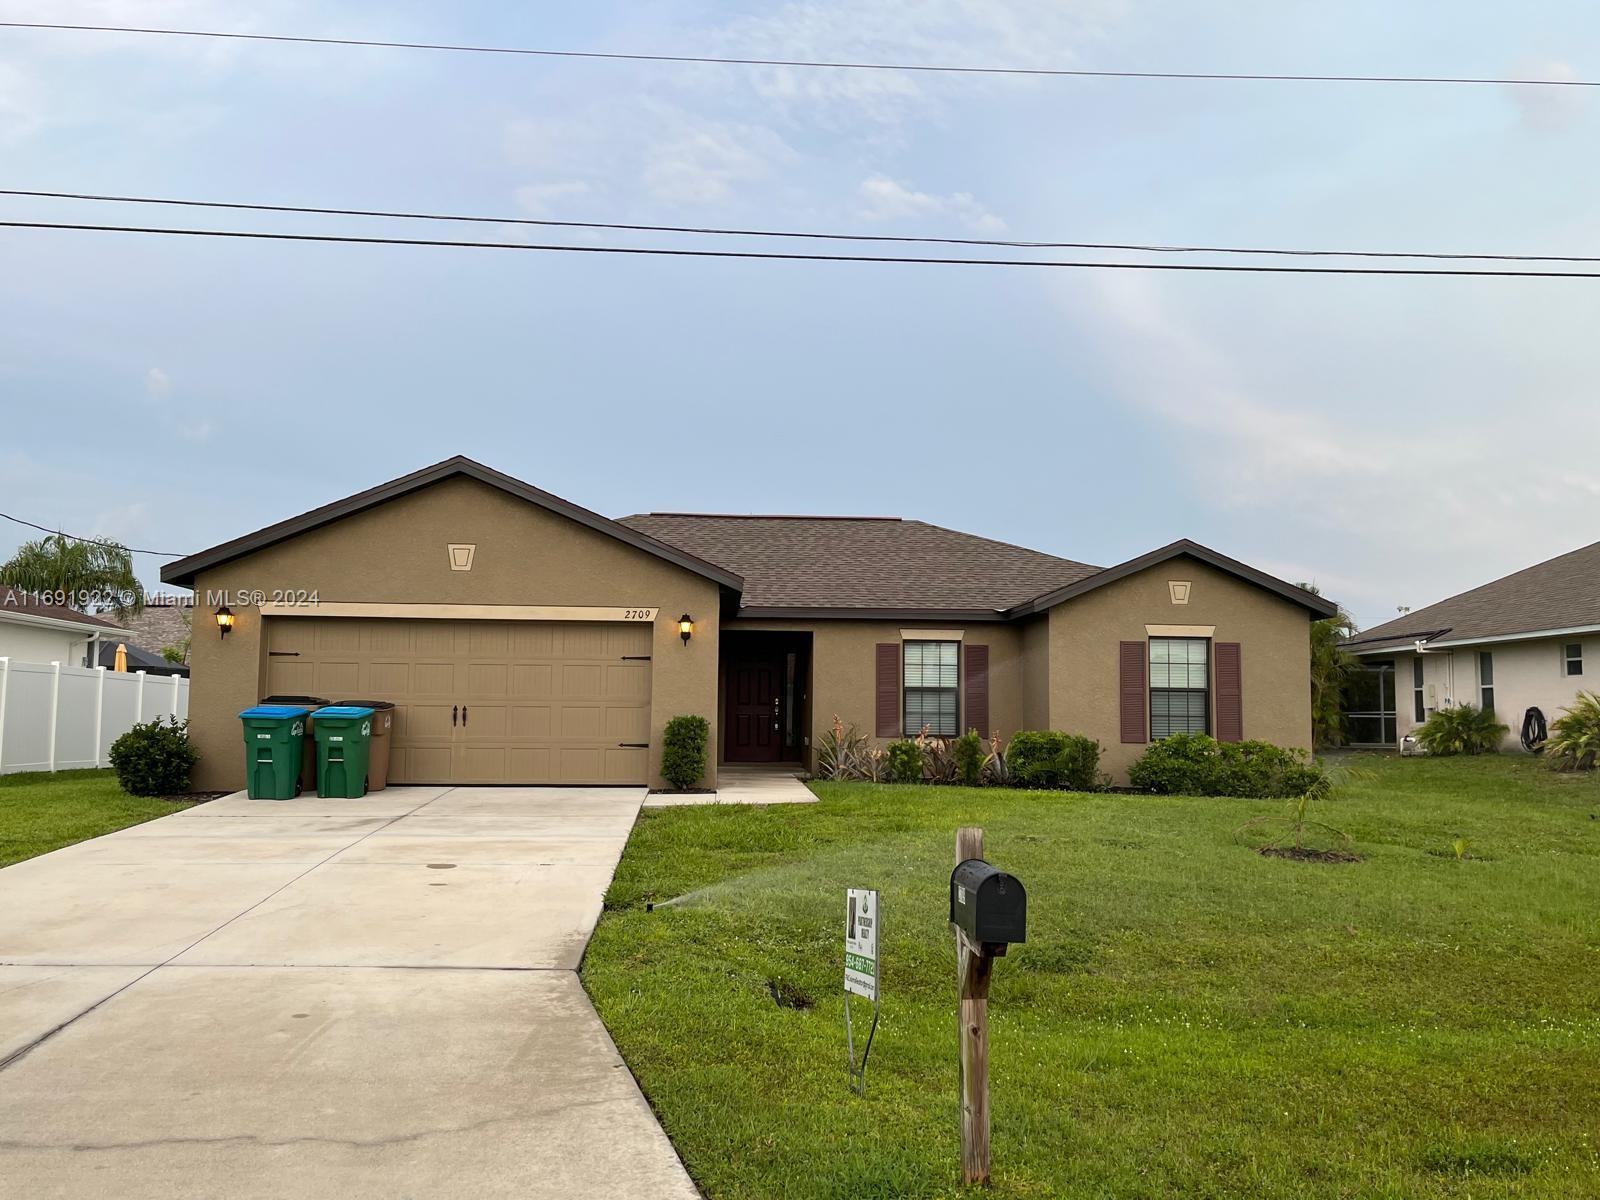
(789, 62)
(91, 541)
(782, 233)
(772, 255)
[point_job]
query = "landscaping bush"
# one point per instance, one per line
(846, 753)
(1464, 729)
(1193, 764)
(1051, 759)
(969, 752)
(1574, 743)
(154, 759)
(683, 751)
(904, 761)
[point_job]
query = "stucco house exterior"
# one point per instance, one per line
(35, 631)
(1528, 640)
(528, 640)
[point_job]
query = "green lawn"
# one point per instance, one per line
(1187, 1017)
(41, 812)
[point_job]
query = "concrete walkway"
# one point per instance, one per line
(746, 783)
(322, 998)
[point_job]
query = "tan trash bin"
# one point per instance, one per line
(382, 727)
(308, 761)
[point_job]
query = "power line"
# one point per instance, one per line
(1236, 76)
(773, 255)
(1143, 247)
(90, 541)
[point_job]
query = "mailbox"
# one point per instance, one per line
(988, 905)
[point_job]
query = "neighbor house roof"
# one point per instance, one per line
(30, 609)
(140, 660)
(183, 571)
(866, 564)
(1559, 595)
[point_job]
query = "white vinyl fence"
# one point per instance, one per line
(55, 718)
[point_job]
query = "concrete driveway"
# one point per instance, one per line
(322, 998)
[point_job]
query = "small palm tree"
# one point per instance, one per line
(1332, 667)
(76, 573)
(1574, 743)
(1464, 729)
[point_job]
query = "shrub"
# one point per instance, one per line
(154, 759)
(938, 758)
(1193, 764)
(968, 751)
(904, 761)
(995, 768)
(683, 751)
(1464, 729)
(1051, 759)
(1574, 743)
(846, 753)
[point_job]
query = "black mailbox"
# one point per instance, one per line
(988, 905)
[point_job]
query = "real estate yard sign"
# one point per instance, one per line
(861, 928)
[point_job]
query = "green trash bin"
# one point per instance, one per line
(344, 744)
(273, 738)
(308, 770)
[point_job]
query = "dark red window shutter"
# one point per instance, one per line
(1131, 693)
(1230, 693)
(889, 689)
(975, 661)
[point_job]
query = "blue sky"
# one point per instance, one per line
(1395, 440)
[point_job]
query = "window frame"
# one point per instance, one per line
(1486, 680)
(1570, 660)
(1208, 692)
(1419, 703)
(906, 689)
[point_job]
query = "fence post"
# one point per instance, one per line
(5, 683)
(175, 681)
(55, 709)
(99, 709)
(138, 703)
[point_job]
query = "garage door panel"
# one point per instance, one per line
(548, 701)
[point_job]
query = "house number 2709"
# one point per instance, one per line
(638, 614)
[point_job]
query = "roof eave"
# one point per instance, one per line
(90, 625)
(185, 570)
(1318, 606)
(759, 612)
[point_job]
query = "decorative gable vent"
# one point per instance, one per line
(461, 556)
(1179, 590)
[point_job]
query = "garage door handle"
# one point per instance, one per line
(633, 745)
(454, 710)
(463, 716)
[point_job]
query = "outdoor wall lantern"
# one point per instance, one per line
(224, 620)
(686, 628)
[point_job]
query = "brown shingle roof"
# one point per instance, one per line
(870, 563)
(13, 600)
(1559, 593)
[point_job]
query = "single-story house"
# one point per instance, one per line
(1517, 643)
(528, 640)
(139, 659)
(33, 630)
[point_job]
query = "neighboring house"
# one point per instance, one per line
(139, 660)
(527, 640)
(34, 631)
(1520, 642)
(161, 623)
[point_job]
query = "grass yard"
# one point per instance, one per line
(1187, 1017)
(41, 812)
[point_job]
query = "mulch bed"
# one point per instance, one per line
(1306, 854)
(683, 791)
(194, 797)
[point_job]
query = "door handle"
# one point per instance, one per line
(453, 710)
(463, 716)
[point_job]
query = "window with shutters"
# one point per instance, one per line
(1180, 675)
(932, 699)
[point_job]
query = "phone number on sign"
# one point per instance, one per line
(247, 597)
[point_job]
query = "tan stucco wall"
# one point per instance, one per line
(1036, 673)
(844, 668)
(1275, 652)
(396, 554)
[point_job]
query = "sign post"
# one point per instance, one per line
(974, 964)
(862, 923)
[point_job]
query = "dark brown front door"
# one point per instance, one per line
(755, 707)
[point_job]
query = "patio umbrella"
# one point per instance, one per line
(122, 658)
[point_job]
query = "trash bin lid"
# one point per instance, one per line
(374, 704)
(302, 701)
(280, 711)
(343, 710)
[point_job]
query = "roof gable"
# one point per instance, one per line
(184, 571)
(1560, 593)
(1310, 601)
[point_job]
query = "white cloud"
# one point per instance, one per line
(545, 199)
(707, 162)
(1547, 109)
(21, 104)
(885, 199)
(188, 421)
(157, 384)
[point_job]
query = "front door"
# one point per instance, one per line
(755, 707)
